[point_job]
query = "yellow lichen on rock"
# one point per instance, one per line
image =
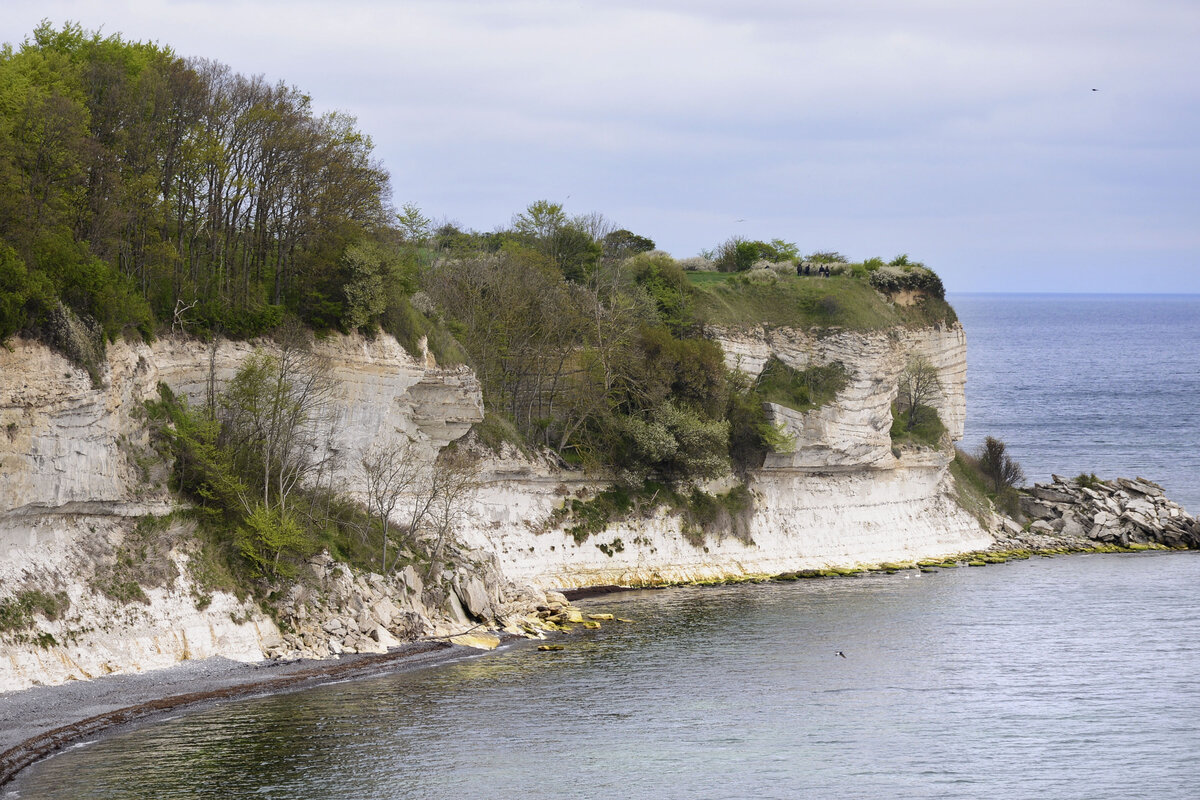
(480, 641)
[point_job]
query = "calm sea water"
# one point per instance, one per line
(1088, 383)
(1051, 678)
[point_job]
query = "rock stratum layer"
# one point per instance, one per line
(841, 497)
(78, 475)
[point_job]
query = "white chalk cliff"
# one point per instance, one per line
(77, 473)
(840, 498)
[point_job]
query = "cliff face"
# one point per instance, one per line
(840, 498)
(77, 474)
(853, 432)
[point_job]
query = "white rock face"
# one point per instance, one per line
(96, 635)
(802, 520)
(854, 430)
(63, 441)
(76, 470)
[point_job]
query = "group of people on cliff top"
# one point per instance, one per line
(806, 269)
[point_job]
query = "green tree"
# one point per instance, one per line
(277, 417)
(919, 387)
(998, 466)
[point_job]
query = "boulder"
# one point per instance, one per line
(384, 610)
(1051, 495)
(474, 597)
(411, 581)
(1138, 521)
(480, 641)
(454, 610)
(1034, 508)
(1072, 526)
(381, 635)
(1140, 486)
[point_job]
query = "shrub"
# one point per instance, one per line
(273, 541)
(975, 488)
(800, 389)
(998, 466)
(891, 279)
(925, 428)
(697, 264)
(676, 442)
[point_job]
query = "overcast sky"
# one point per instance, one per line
(966, 134)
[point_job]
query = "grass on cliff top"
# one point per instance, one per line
(841, 301)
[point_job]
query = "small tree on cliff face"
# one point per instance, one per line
(390, 470)
(998, 467)
(454, 479)
(919, 386)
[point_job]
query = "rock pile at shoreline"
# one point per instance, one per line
(1125, 512)
(335, 610)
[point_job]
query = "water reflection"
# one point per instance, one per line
(1009, 681)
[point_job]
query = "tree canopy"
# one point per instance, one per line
(135, 183)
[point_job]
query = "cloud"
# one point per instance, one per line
(939, 126)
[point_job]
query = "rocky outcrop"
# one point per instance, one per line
(842, 497)
(1125, 512)
(853, 431)
(78, 474)
(332, 610)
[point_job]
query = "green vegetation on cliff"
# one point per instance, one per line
(844, 301)
(144, 191)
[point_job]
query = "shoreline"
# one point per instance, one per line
(38, 722)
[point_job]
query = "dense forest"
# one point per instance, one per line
(144, 192)
(135, 183)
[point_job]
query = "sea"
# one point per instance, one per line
(1105, 384)
(1050, 678)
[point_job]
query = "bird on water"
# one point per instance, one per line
(840, 653)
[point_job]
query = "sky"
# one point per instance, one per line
(1014, 146)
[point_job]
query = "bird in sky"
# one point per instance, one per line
(840, 653)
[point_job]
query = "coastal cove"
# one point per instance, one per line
(1060, 678)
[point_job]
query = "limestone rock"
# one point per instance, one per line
(480, 641)
(474, 597)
